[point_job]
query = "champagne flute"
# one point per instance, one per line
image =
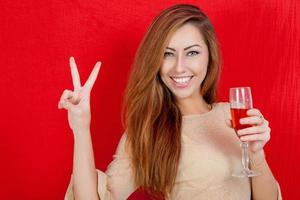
(240, 101)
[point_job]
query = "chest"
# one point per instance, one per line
(208, 158)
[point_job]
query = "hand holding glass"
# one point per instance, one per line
(240, 101)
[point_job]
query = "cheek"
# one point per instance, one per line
(163, 73)
(199, 67)
(203, 64)
(165, 68)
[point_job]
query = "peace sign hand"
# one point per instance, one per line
(77, 102)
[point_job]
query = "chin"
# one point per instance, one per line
(181, 95)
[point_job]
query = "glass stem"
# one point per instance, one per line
(245, 156)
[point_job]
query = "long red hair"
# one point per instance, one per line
(150, 114)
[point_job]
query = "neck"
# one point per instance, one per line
(191, 106)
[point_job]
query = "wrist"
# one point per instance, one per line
(257, 158)
(81, 133)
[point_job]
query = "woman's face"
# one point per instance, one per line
(185, 62)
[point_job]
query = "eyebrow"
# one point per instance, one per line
(186, 48)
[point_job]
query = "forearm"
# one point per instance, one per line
(84, 171)
(264, 186)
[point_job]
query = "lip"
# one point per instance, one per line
(181, 85)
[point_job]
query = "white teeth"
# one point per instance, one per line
(182, 80)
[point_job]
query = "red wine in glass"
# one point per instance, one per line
(236, 115)
(240, 99)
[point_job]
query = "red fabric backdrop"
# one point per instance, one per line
(259, 40)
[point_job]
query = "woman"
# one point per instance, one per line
(177, 144)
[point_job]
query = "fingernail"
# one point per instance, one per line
(242, 121)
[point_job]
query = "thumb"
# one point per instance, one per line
(228, 123)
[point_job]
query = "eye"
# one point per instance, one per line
(167, 54)
(193, 53)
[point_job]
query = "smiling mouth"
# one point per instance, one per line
(181, 82)
(184, 80)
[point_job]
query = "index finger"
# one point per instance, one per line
(93, 76)
(254, 112)
(75, 74)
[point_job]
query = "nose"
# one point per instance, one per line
(180, 64)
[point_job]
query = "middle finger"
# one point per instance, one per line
(252, 130)
(75, 74)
